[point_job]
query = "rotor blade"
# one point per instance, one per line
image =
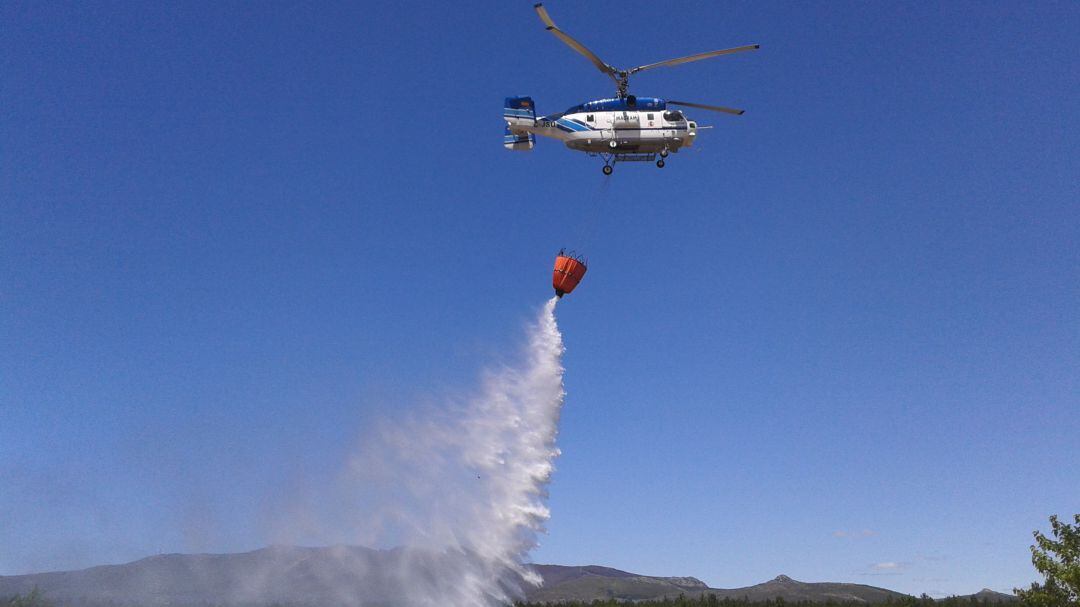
(714, 108)
(540, 10)
(574, 44)
(697, 57)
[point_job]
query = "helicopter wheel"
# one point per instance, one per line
(613, 144)
(663, 153)
(608, 169)
(660, 163)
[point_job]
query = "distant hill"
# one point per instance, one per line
(588, 583)
(593, 582)
(990, 595)
(352, 575)
(275, 574)
(793, 590)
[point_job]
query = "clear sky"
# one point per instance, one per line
(838, 339)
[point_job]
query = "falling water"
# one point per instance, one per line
(464, 485)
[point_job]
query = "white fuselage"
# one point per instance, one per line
(632, 131)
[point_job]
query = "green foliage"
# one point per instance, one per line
(1058, 560)
(36, 598)
(711, 600)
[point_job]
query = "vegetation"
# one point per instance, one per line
(35, 598)
(1058, 560)
(711, 600)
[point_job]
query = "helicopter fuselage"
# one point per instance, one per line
(612, 126)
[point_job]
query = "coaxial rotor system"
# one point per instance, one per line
(622, 76)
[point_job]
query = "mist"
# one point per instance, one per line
(460, 485)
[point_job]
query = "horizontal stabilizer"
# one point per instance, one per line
(518, 141)
(518, 111)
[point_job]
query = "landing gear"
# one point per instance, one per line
(612, 158)
(613, 144)
(609, 160)
(663, 153)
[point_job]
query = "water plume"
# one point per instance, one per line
(463, 486)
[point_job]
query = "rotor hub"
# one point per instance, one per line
(623, 85)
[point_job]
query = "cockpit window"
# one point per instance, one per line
(675, 116)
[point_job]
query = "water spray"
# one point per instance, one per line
(468, 483)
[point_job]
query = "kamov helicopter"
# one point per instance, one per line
(622, 129)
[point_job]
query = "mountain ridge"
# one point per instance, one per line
(356, 575)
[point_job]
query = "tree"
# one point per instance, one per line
(1058, 560)
(36, 598)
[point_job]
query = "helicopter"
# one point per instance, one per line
(625, 128)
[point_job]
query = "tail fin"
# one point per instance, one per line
(518, 111)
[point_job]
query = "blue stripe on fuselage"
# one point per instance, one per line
(571, 125)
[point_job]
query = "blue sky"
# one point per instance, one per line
(837, 339)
